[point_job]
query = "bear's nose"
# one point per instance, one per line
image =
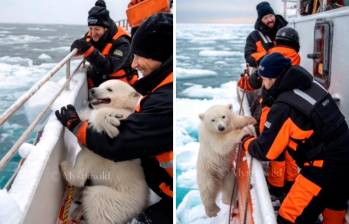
(221, 128)
(92, 92)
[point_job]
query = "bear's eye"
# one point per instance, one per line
(213, 120)
(109, 89)
(223, 117)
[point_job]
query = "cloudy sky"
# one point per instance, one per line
(219, 11)
(55, 11)
(75, 11)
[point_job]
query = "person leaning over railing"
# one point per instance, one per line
(148, 133)
(305, 121)
(106, 47)
(283, 172)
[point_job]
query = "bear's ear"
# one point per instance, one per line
(201, 116)
(230, 106)
(135, 94)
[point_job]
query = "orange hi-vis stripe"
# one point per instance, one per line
(167, 80)
(81, 133)
(333, 216)
(166, 189)
(121, 75)
(121, 32)
(89, 52)
(165, 159)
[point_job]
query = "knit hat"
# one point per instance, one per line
(273, 65)
(99, 15)
(263, 9)
(154, 38)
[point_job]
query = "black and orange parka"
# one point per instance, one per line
(146, 134)
(260, 40)
(287, 128)
(109, 57)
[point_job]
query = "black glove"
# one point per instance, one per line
(255, 80)
(68, 117)
(81, 45)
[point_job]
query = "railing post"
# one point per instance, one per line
(67, 75)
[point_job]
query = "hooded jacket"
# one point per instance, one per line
(286, 128)
(118, 57)
(144, 134)
(261, 40)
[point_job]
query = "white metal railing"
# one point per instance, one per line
(26, 96)
(123, 23)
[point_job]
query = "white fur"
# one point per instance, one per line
(119, 191)
(220, 131)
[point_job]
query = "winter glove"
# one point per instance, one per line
(244, 83)
(68, 117)
(81, 45)
(255, 80)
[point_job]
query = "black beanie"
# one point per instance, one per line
(99, 15)
(154, 38)
(263, 9)
(273, 65)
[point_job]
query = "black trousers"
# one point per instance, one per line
(159, 213)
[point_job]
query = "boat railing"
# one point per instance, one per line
(123, 23)
(5, 116)
(26, 96)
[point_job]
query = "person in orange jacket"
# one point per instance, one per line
(281, 174)
(148, 133)
(259, 41)
(305, 121)
(106, 47)
(287, 44)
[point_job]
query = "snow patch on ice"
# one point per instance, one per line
(192, 211)
(211, 53)
(183, 73)
(209, 92)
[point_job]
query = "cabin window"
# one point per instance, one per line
(308, 7)
(322, 52)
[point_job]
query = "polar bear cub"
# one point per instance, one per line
(220, 131)
(119, 191)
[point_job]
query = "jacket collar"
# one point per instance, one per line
(146, 84)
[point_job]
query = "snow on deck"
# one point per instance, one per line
(19, 197)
